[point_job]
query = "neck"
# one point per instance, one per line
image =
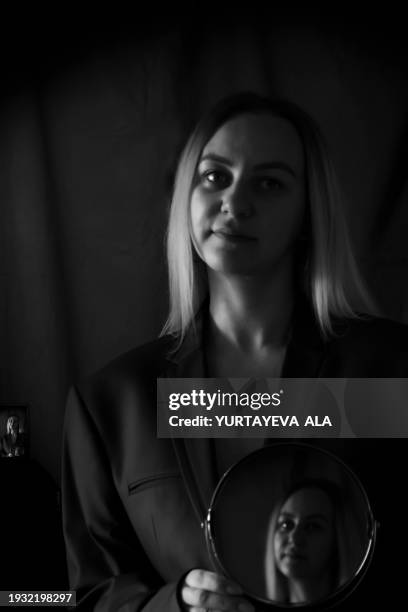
(252, 313)
(309, 590)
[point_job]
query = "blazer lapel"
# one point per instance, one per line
(196, 456)
(196, 460)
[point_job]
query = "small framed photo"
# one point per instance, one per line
(13, 431)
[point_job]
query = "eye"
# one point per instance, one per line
(268, 183)
(215, 179)
(313, 527)
(285, 525)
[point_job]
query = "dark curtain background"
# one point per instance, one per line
(91, 123)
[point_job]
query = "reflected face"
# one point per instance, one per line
(304, 540)
(248, 201)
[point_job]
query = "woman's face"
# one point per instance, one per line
(248, 200)
(304, 540)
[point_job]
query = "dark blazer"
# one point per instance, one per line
(133, 504)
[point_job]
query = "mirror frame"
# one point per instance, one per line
(339, 594)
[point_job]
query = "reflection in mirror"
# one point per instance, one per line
(292, 524)
(309, 550)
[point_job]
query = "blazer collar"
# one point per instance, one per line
(187, 360)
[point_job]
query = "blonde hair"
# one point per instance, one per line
(12, 422)
(330, 275)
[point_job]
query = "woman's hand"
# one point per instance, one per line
(204, 591)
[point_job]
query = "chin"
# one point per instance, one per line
(234, 270)
(244, 271)
(234, 265)
(242, 263)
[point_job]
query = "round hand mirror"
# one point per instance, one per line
(292, 524)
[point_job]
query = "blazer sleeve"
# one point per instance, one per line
(107, 565)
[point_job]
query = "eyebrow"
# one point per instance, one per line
(276, 165)
(307, 517)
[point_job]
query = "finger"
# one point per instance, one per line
(194, 609)
(198, 598)
(210, 581)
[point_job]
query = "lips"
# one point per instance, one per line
(231, 235)
(294, 555)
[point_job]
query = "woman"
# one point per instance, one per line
(12, 443)
(262, 283)
(313, 547)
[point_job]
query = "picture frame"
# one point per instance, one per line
(14, 431)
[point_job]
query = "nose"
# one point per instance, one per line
(236, 201)
(296, 536)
